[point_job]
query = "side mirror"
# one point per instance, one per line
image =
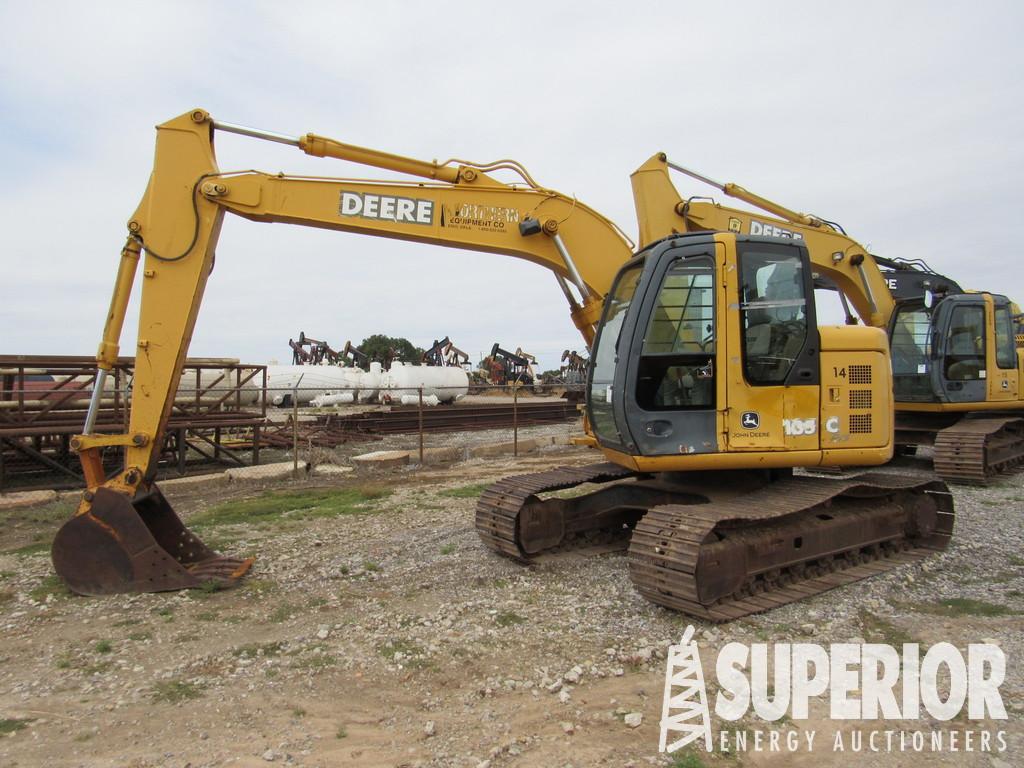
(929, 298)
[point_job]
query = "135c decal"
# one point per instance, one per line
(795, 427)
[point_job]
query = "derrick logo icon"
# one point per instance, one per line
(684, 710)
(938, 691)
(750, 420)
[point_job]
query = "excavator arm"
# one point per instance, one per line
(662, 211)
(174, 232)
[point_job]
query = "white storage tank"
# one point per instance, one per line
(369, 382)
(446, 383)
(312, 380)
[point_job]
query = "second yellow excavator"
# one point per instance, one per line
(958, 377)
(710, 381)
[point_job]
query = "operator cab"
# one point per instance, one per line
(941, 353)
(659, 376)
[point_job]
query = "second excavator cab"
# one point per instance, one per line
(959, 350)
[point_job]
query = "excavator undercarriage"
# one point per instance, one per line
(721, 545)
(968, 451)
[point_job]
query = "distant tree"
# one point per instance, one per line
(378, 347)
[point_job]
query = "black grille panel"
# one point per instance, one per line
(860, 423)
(859, 374)
(860, 398)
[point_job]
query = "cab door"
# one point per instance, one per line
(672, 384)
(963, 356)
(772, 347)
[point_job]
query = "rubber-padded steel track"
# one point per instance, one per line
(668, 554)
(972, 451)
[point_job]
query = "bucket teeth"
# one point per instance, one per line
(120, 545)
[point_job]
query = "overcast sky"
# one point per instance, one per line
(902, 121)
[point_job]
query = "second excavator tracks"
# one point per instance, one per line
(719, 546)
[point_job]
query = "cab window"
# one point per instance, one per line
(965, 354)
(774, 315)
(1006, 345)
(676, 362)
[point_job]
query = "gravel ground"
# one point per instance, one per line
(387, 636)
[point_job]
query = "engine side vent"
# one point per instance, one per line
(859, 374)
(860, 398)
(860, 423)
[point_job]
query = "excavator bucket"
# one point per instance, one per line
(136, 545)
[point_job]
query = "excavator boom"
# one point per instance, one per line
(174, 231)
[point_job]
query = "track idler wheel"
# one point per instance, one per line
(122, 545)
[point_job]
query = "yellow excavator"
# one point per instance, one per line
(710, 381)
(957, 372)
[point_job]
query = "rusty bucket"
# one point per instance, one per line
(119, 545)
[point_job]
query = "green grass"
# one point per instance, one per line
(209, 587)
(51, 585)
(282, 613)
(687, 760)
(466, 491)
(175, 691)
(447, 549)
(252, 650)
(315, 661)
(388, 650)
(30, 550)
(67, 661)
(298, 712)
(508, 619)
(285, 506)
(964, 606)
(140, 636)
(164, 612)
(13, 724)
(880, 630)
(103, 646)
(55, 512)
(259, 585)
(371, 566)
(1017, 561)
(341, 733)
